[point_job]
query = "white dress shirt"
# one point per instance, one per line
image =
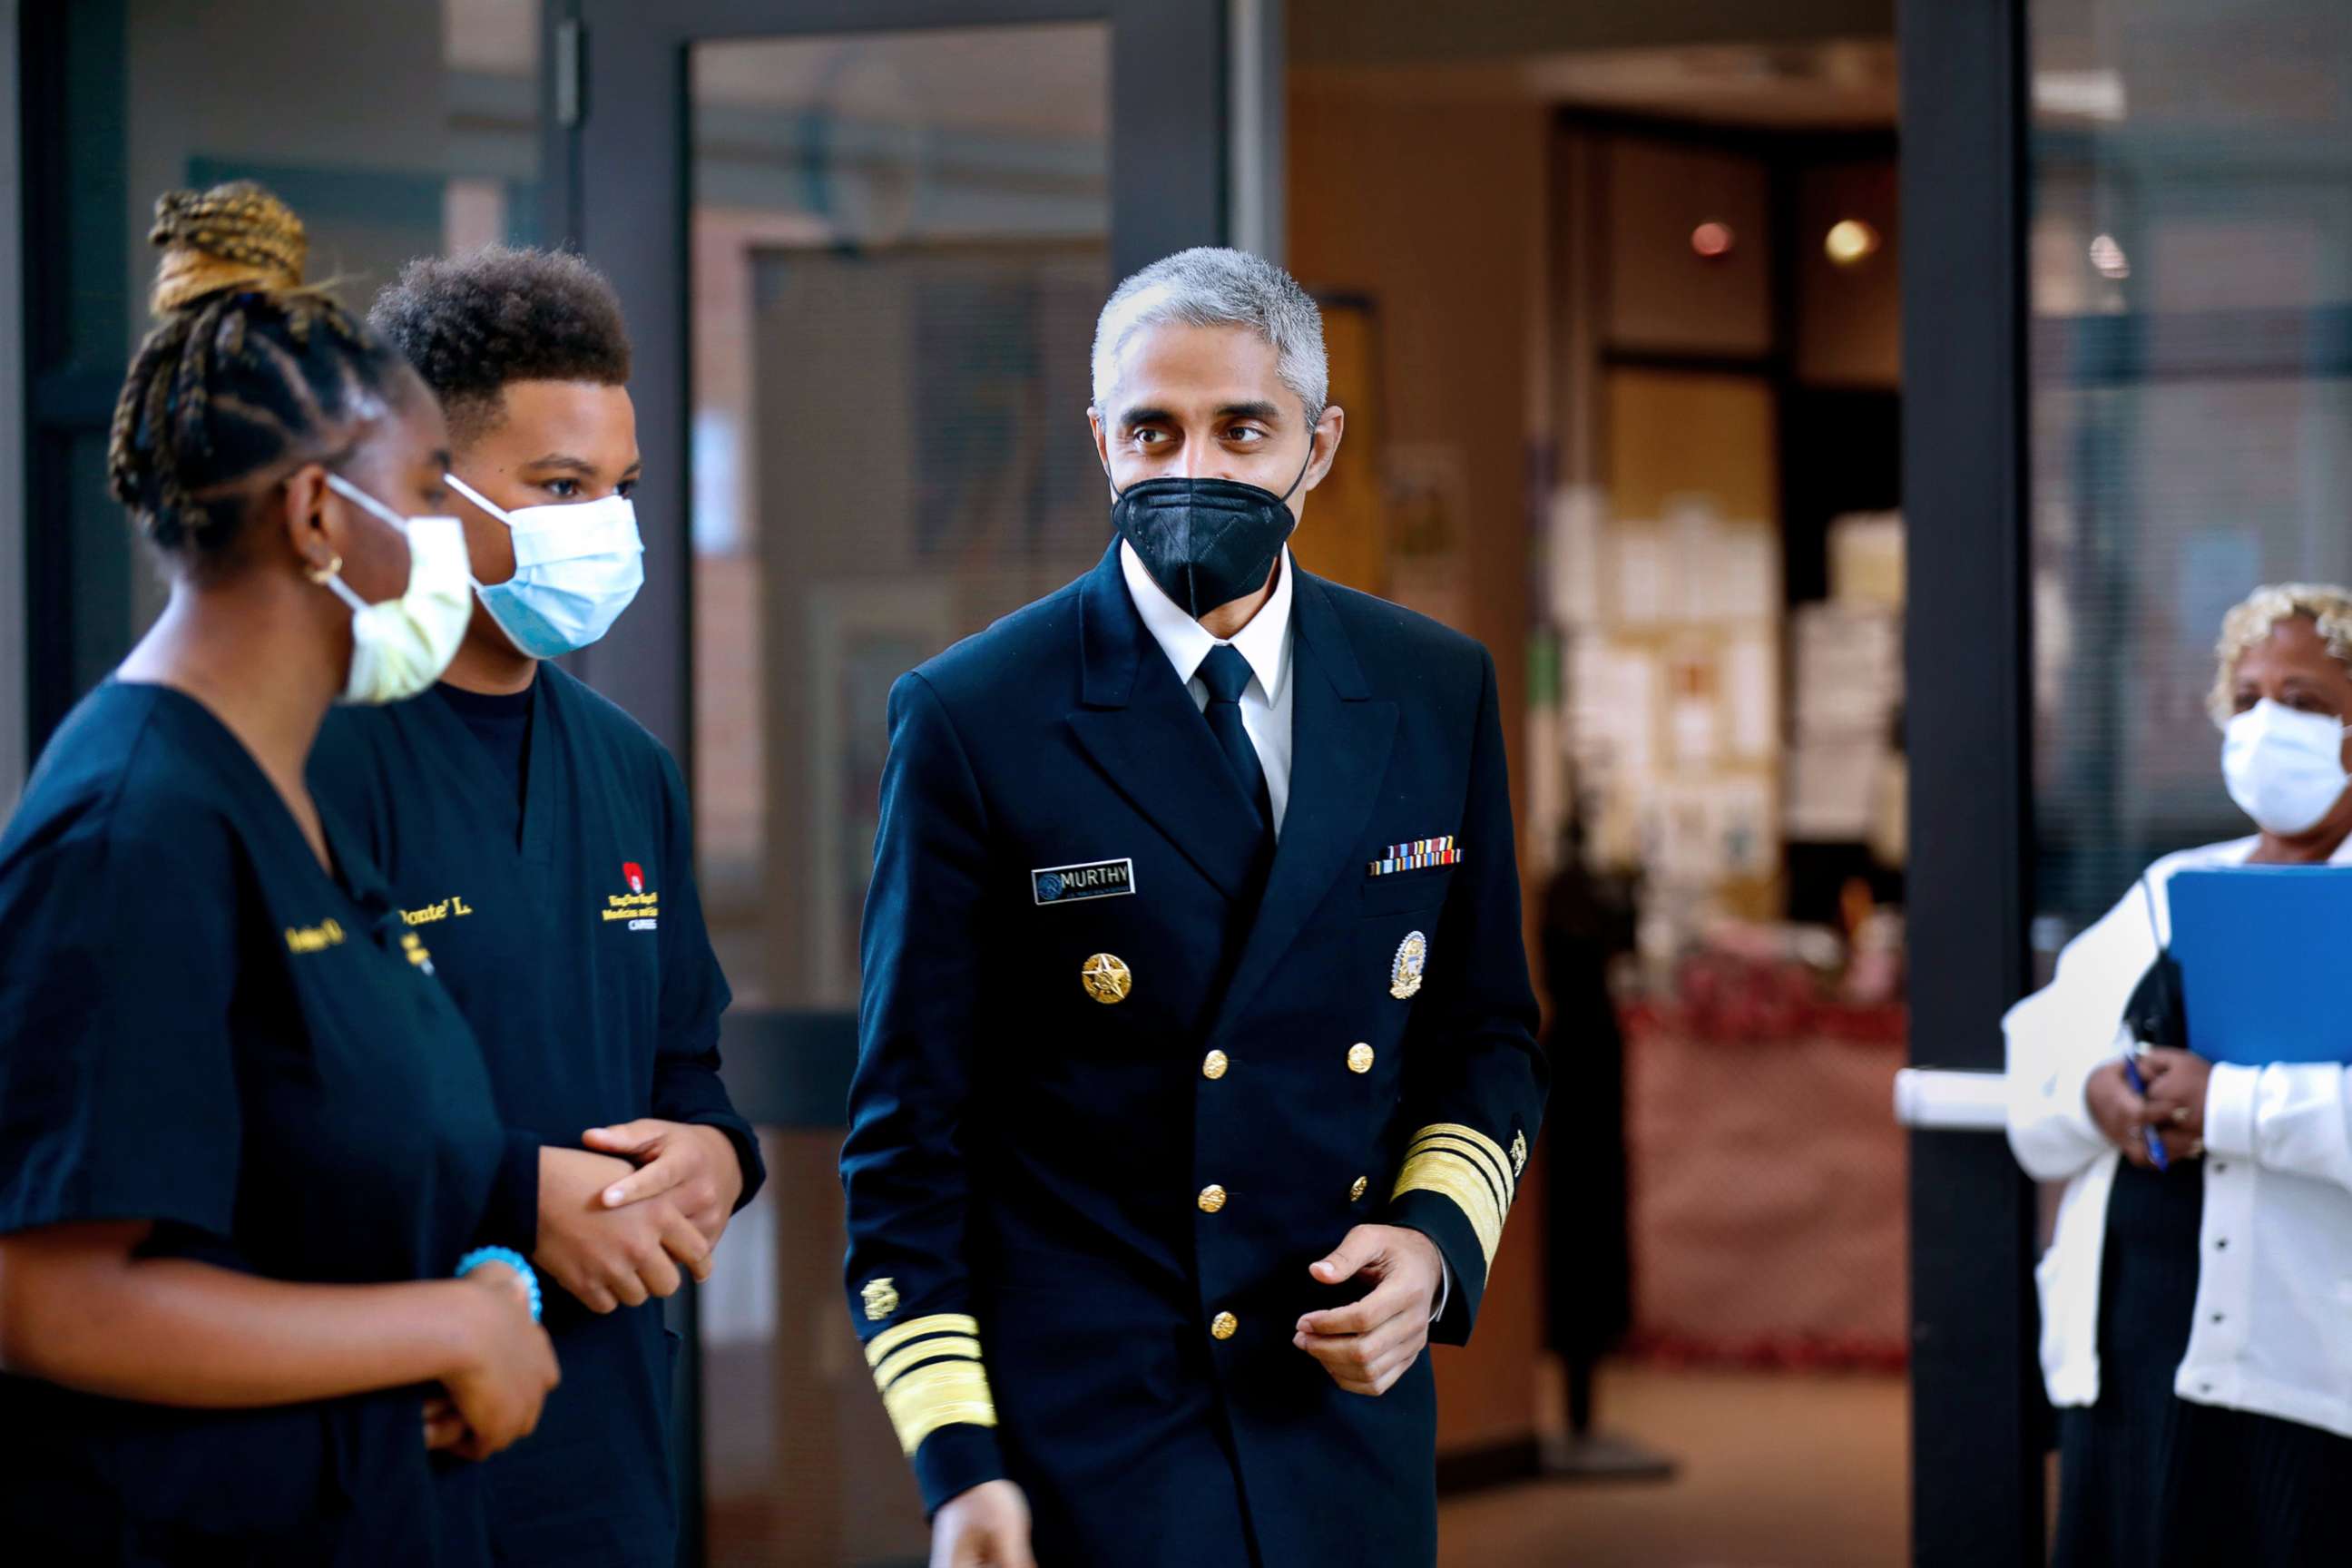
(1264, 645)
(2273, 1332)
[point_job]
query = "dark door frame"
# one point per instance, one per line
(617, 167)
(74, 329)
(1980, 1424)
(616, 178)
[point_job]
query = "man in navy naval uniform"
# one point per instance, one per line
(1197, 1063)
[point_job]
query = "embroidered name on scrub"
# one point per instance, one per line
(451, 908)
(642, 910)
(314, 939)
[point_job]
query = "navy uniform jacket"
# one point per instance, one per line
(577, 951)
(1080, 1211)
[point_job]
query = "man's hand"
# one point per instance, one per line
(608, 1256)
(1368, 1345)
(695, 1165)
(2177, 1081)
(987, 1525)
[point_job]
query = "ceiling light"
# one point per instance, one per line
(1712, 240)
(1850, 240)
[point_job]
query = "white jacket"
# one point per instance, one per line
(2273, 1332)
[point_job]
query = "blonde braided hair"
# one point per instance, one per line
(246, 366)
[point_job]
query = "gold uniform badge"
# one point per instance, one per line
(1518, 1153)
(1411, 959)
(881, 1298)
(1106, 978)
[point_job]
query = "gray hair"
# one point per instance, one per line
(2325, 605)
(1209, 286)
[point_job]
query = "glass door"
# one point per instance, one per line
(2127, 286)
(861, 247)
(898, 241)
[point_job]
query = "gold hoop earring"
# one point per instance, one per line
(322, 574)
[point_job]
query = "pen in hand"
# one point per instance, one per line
(2154, 1139)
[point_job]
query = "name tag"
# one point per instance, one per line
(1094, 880)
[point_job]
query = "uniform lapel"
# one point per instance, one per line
(1139, 724)
(1339, 745)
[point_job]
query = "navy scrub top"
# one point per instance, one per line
(575, 944)
(201, 1027)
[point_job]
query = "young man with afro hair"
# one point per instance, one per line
(545, 838)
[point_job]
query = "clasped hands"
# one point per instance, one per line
(2173, 1107)
(616, 1228)
(626, 1218)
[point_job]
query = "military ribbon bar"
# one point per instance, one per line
(1416, 855)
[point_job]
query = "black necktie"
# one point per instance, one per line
(1226, 674)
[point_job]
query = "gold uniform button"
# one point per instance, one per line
(1106, 978)
(1212, 1065)
(1359, 1058)
(1212, 1198)
(1358, 1190)
(1223, 1326)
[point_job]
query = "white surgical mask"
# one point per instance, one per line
(2284, 768)
(400, 647)
(577, 566)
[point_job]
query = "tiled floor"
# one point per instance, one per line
(1778, 1471)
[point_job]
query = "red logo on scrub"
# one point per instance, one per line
(635, 875)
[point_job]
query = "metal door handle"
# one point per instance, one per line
(1934, 1100)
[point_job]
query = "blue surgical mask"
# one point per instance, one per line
(577, 566)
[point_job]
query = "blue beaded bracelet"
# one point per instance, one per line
(512, 1259)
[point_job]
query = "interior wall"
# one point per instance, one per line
(351, 114)
(1663, 297)
(1436, 216)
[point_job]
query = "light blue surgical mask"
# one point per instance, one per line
(577, 566)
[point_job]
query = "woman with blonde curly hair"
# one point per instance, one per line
(2197, 1317)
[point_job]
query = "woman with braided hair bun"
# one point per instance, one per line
(247, 1151)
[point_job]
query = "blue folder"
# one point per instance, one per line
(2263, 952)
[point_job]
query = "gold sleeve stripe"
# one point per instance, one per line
(883, 1343)
(956, 1347)
(1502, 1189)
(1466, 1166)
(942, 1393)
(1505, 1182)
(1452, 1175)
